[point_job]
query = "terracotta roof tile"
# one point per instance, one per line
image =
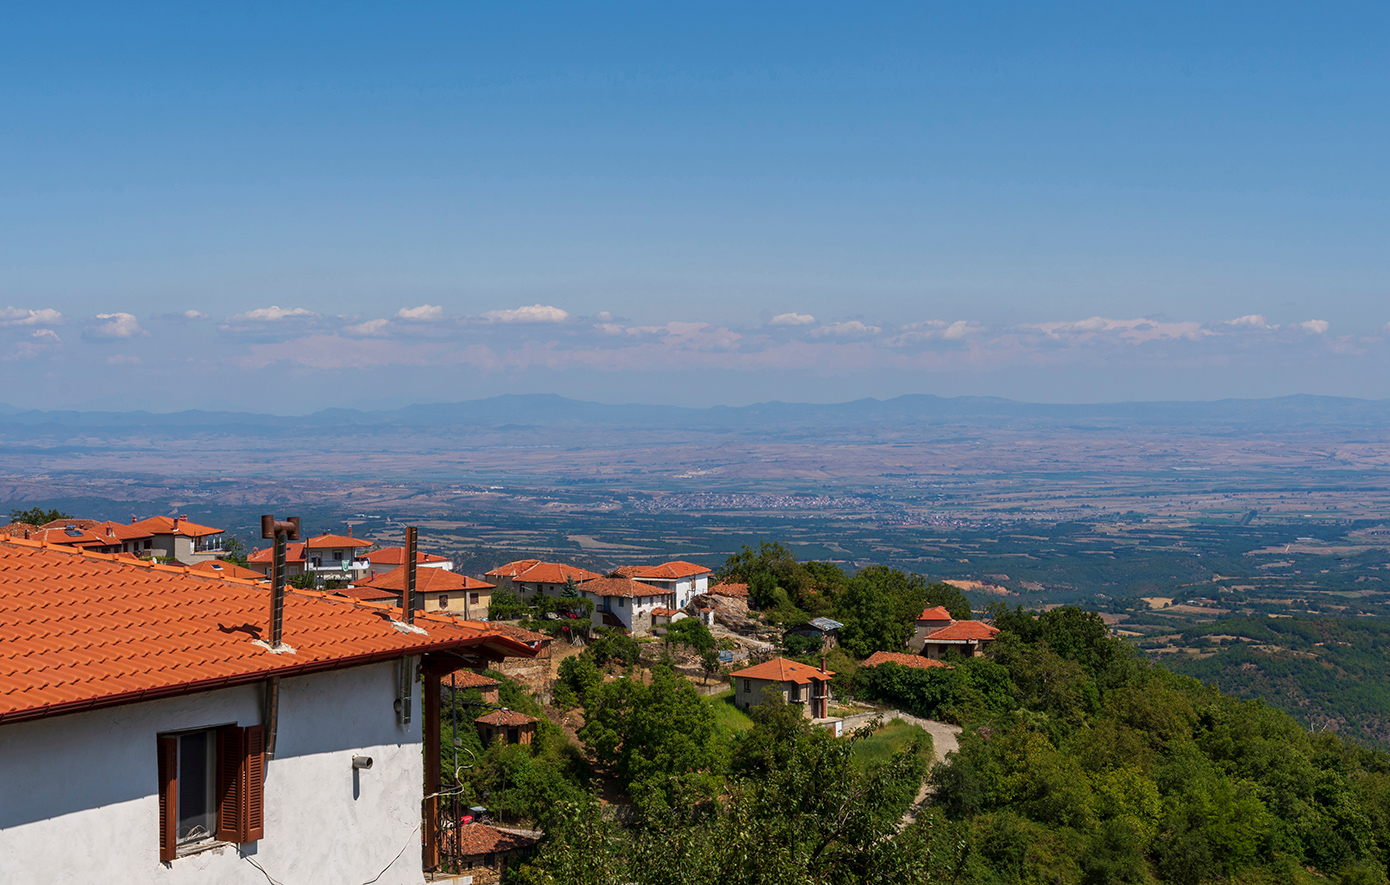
(666, 570)
(783, 670)
(85, 630)
(937, 613)
(396, 556)
(427, 580)
(737, 591)
(505, 717)
(479, 839)
(964, 631)
(619, 587)
(533, 571)
(325, 541)
(902, 659)
(294, 552)
(167, 525)
(221, 569)
(466, 678)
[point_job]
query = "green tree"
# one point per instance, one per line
(691, 632)
(235, 552)
(38, 516)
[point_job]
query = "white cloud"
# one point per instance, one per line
(115, 327)
(1315, 327)
(373, 328)
(21, 316)
(1254, 320)
(792, 319)
(194, 315)
(536, 313)
(849, 329)
(1134, 331)
(421, 313)
(45, 335)
(272, 314)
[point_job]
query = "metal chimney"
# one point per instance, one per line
(408, 597)
(288, 530)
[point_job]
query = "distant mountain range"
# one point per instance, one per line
(547, 410)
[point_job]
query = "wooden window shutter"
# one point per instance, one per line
(231, 819)
(168, 798)
(253, 780)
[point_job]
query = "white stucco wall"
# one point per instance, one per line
(78, 797)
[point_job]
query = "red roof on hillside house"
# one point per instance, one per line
(326, 541)
(17, 529)
(534, 571)
(783, 670)
(480, 839)
(427, 580)
(937, 613)
(396, 556)
(82, 630)
(466, 678)
(174, 525)
(294, 552)
(737, 591)
(668, 571)
(619, 587)
(505, 717)
(901, 659)
(964, 631)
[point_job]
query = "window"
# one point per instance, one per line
(622, 603)
(443, 600)
(473, 597)
(747, 685)
(513, 736)
(210, 787)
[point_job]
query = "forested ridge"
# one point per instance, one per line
(1080, 762)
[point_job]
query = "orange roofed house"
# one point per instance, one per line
(327, 557)
(795, 683)
(379, 562)
(150, 733)
(437, 590)
(527, 577)
(623, 602)
(681, 580)
(937, 633)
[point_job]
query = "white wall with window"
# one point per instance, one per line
(82, 791)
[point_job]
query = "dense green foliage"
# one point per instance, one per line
(37, 515)
(1082, 764)
(797, 810)
(1324, 671)
(506, 604)
(691, 632)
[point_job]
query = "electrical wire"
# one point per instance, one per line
(273, 881)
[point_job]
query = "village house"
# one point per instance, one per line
(527, 577)
(92, 535)
(463, 679)
(437, 590)
(622, 602)
(825, 632)
(506, 726)
(174, 537)
(928, 622)
(916, 662)
(487, 852)
(795, 683)
(966, 638)
(221, 569)
(381, 561)
(327, 557)
(155, 734)
(681, 580)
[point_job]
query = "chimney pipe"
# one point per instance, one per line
(280, 531)
(408, 597)
(822, 663)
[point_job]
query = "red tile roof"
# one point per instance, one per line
(505, 717)
(294, 552)
(80, 631)
(396, 556)
(166, 525)
(221, 569)
(667, 570)
(964, 631)
(521, 634)
(619, 587)
(479, 839)
(466, 678)
(427, 580)
(737, 591)
(17, 529)
(325, 541)
(533, 571)
(938, 613)
(370, 594)
(783, 670)
(904, 660)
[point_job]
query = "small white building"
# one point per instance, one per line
(623, 602)
(149, 734)
(682, 581)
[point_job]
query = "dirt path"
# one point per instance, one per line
(944, 741)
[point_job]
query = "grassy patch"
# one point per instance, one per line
(882, 744)
(728, 717)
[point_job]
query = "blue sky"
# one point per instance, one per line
(337, 205)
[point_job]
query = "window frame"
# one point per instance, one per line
(235, 759)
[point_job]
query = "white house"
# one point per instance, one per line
(327, 557)
(680, 580)
(527, 577)
(150, 734)
(387, 559)
(622, 602)
(176, 538)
